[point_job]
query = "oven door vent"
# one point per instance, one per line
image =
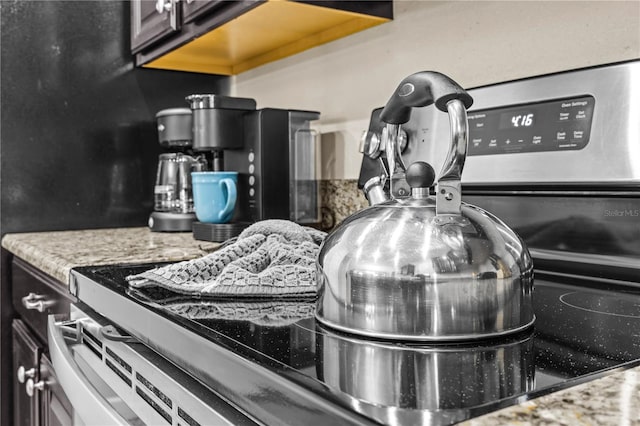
(91, 342)
(118, 360)
(118, 365)
(157, 392)
(154, 395)
(114, 376)
(126, 366)
(146, 398)
(187, 418)
(119, 373)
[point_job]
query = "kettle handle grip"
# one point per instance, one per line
(422, 89)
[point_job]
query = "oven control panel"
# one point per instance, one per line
(555, 125)
(577, 127)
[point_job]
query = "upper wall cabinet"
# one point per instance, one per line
(229, 37)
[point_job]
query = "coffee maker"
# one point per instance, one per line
(275, 153)
(173, 196)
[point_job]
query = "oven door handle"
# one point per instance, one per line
(84, 398)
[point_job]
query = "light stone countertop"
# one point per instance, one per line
(55, 253)
(611, 400)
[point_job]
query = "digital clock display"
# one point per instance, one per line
(517, 119)
(553, 125)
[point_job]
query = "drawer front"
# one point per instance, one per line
(27, 352)
(56, 408)
(36, 295)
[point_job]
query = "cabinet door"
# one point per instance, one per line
(26, 360)
(56, 408)
(152, 21)
(194, 9)
(36, 295)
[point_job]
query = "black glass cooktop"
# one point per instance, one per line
(583, 329)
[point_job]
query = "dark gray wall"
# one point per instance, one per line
(78, 144)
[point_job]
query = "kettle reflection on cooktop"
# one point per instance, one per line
(425, 382)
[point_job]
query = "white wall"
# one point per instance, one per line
(474, 42)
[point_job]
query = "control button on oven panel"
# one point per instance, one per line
(555, 125)
(578, 135)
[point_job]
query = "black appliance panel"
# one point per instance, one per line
(596, 231)
(263, 175)
(556, 125)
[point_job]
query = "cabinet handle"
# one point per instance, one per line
(31, 387)
(170, 6)
(163, 6)
(37, 302)
(173, 14)
(23, 373)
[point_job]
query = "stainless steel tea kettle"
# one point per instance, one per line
(422, 267)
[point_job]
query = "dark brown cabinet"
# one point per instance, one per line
(229, 37)
(26, 366)
(36, 295)
(162, 25)
(151, 21)
(35, 397)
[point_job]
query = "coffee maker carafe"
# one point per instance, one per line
(173, 196)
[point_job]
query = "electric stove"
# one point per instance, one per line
(262, 355)
(554, 157)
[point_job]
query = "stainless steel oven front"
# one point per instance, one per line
(111, 378)
(572, 128)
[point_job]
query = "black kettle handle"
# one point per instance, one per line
(422, 89)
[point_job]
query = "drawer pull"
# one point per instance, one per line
(23, 373)
(31, 387)
(37, 302)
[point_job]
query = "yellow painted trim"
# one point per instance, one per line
(271, 31)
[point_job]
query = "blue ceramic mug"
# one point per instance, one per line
(214, 195)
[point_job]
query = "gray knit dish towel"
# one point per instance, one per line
(269, 258)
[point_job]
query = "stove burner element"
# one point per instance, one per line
(603, 304)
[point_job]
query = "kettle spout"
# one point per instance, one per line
(374, 190)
